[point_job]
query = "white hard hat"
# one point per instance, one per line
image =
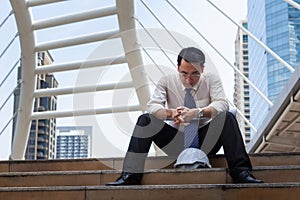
(192, 158)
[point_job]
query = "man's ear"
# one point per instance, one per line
(202, 68)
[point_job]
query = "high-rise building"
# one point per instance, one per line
(241, 97)
(41, 140)
(277, 24)
(74, 142)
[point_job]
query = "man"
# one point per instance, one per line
(196, 103)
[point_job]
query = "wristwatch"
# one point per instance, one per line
(200, 112)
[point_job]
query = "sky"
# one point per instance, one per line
(211, 24)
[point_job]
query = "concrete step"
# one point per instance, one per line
(151, 163)
(85, 179)
(274, 174)
(272, 191)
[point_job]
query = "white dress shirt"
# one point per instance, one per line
(169, 93)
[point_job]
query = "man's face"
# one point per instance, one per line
(189, 75)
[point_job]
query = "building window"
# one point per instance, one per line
(245, 38)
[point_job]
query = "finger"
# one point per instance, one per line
(176, 121)
(185, 124)
(180, 108)
(175, 118)
(176, 115)
(179, 118)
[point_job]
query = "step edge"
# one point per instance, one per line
(98, 172)
(291, 154)
(153, 187)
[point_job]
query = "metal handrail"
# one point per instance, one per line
(225, 59)
(289, 67)
(293, 3)
(9, 121)
(154, 40)
(9, 73)
(9, 44)
(160, 22)
(6, 18)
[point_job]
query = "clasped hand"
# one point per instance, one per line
(184, 115)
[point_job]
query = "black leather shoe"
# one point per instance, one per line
(127, 178)
(246, 177)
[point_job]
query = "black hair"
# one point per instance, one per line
(191, 55)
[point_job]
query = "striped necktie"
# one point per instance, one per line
(191, 138)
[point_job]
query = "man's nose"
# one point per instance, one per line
(189, 77)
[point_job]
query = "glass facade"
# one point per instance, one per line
(257, 61)
(73, 142)
(282, 29)
(241, 95)
(275, 23)
(41, 140)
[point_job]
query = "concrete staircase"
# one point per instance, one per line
(85, 179)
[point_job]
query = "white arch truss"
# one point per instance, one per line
(29, 48)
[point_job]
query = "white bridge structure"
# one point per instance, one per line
(281, 128)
